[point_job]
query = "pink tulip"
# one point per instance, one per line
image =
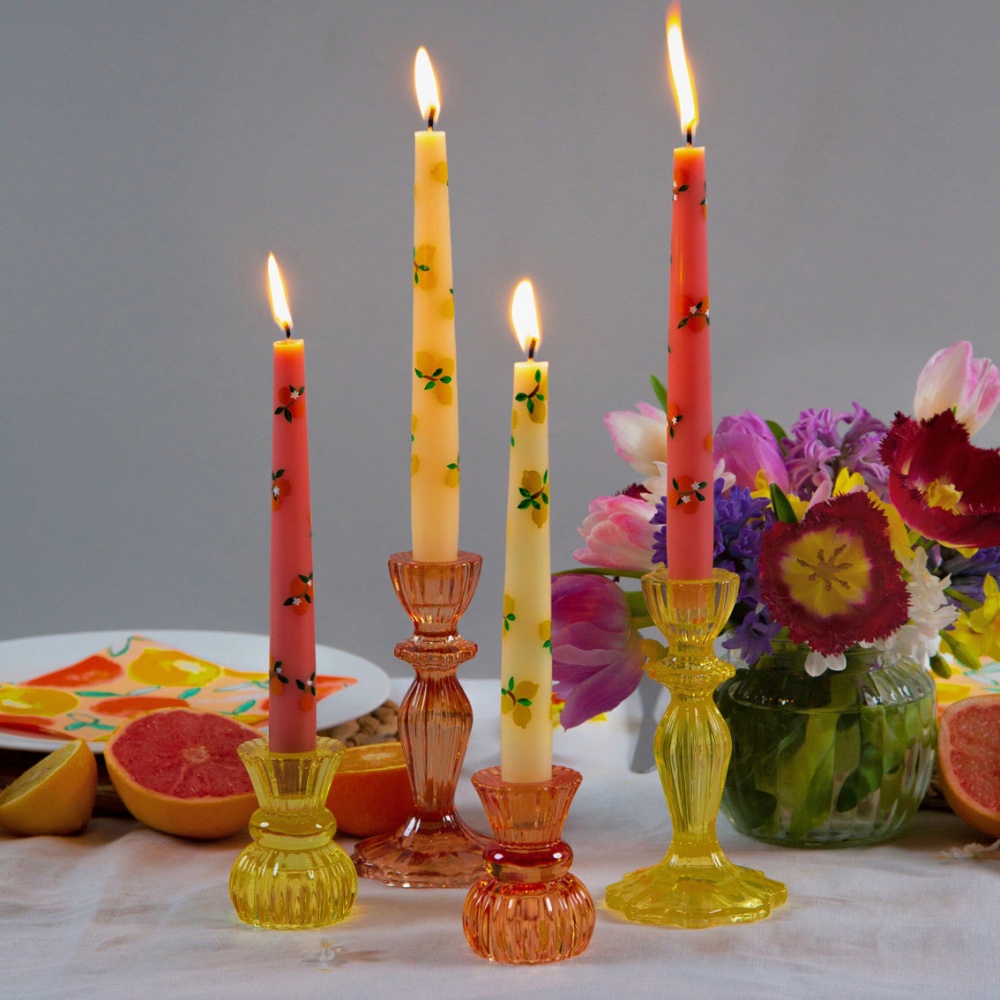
(596, 652)
(618, 534)
(954, 380)
(640, 438)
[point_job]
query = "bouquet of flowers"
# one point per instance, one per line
(844, 532)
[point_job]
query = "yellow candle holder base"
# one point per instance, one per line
(528, 908)
(695, 885)
(434, 848)
(293, 876)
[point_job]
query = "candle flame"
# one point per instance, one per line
(680, 74)
(427, 89)
(279, 304)
(524, 317)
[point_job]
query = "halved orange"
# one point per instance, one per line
(370, 792)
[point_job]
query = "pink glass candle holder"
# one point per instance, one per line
(528, 908)
(434, 848)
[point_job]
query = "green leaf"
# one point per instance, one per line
(521, 397)
(429, 386)
(660, 391)
(446, 379)
(525, 504)
(778, 431)
(782, 508)
(538, 375)
(288, 415)
(961, 652)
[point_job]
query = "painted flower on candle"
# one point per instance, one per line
(693, 312)
(280, 488)
(534, 495)
(424, 275)
(288, 400)
(300, 591)
(516, 701)
(685, 494)
(674, 417)
(438, 375)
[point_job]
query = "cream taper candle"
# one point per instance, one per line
(526, 652)
(434, 468)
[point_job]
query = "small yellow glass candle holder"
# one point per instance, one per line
(528, 908)
(293, 876)
(695, 885)
(434, 848)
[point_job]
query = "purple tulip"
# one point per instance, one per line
(596, 656)
(748, 447)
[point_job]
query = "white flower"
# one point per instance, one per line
(919, 639)
(817, 663)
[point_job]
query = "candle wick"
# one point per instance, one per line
(690, 136)
(288, 331)
(430, 120)
(532, 344)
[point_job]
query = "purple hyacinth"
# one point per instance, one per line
(817, 449)
(967, 572)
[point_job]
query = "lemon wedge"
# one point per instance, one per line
(54, 796)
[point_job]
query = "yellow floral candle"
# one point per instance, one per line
(434, 470)
(526, 653)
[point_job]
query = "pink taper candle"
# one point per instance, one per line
(292, 723)
(690, 507)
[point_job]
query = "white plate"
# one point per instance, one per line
(22, 659)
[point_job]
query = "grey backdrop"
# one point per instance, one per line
(152, 154)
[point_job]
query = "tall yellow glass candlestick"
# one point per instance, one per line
(434, 469)
(526, 653)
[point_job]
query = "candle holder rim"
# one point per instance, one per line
(463, 558)
(662, 575)
(492, 777)
(326, 746)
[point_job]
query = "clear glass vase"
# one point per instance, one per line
(831, 761)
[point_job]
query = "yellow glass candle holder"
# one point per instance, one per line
(528, 908)
(293, 876)
(695, 885)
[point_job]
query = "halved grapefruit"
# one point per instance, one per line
(969, 761)
(177, 770)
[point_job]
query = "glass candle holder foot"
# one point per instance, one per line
(695, 885)
(434, 848)
(528, 908)
(293, 876)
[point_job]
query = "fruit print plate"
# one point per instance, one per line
(81, 684)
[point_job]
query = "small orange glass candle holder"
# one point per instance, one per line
(528, 908)
(293, 876)
(434, 848)
(695, 885)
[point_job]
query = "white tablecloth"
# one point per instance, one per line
(123, 911)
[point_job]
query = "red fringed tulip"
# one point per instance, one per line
(832, 579)
(942, 486)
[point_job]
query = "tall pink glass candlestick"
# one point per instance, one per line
(292, 722)
(690, 507)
